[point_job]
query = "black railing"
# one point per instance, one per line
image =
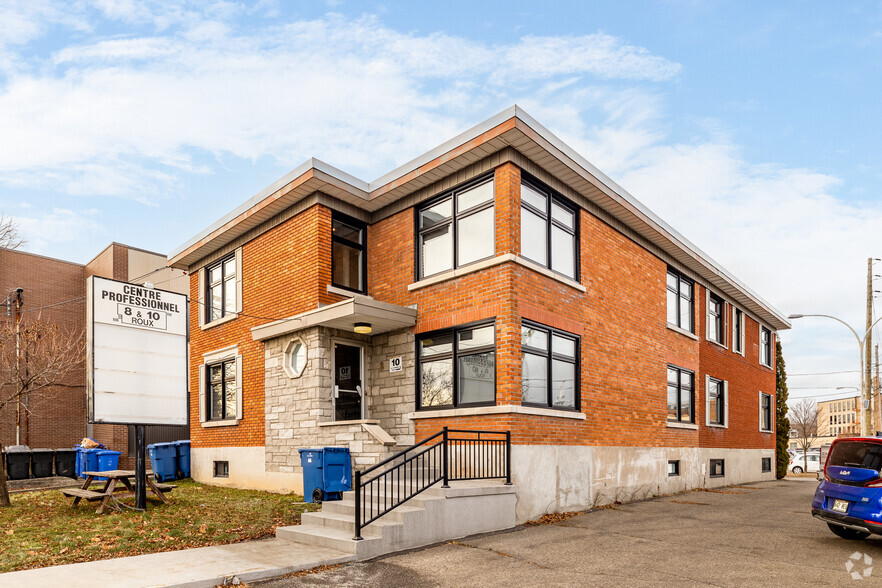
(448, 455)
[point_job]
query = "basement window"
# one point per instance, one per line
(221, 469)
(767, 464)
(717, 468)
(674, 467)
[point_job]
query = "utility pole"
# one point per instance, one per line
(18, 303)
(876, 393)
(867, 416)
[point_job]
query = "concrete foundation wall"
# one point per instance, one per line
(557, 478)
(247, 470)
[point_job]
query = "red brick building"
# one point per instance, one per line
(54, 291)
(498, 282)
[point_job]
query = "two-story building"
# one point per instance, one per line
(498, 282)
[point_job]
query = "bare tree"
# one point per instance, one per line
(804, 421)
(36, 360)
(10, 237)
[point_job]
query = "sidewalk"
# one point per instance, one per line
(193, 568)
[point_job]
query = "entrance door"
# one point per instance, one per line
(348, 385)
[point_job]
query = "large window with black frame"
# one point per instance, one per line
(549, 229)
(715, 331)
(457, 367)
(681, 395)
(680, 296)
(457, 229)
(221, 288)
(348, 255)
(549, 367)
(221, 390)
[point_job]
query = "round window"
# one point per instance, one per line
(298, 358)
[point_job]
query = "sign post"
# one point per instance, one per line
(136, 353)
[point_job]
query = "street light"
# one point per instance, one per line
(866, 424)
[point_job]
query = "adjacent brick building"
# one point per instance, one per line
(55, 292)
(498, 282)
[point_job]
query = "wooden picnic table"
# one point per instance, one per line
(113, 477)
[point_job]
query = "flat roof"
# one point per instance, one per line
(512, 127)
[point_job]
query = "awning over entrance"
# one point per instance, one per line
(382, 317)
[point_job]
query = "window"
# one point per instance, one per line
(549, 367)
(680, 291)
(348, 255)
(221, 289)
(548, 230)
(681, 395)
(765, 412)
(457, 228)
(716, 402)
(715, 331)
(767, 464)
(294, 358)
(674, 467)
(457, 367)
(222, 390)
(221, 469)
(717, 468)
(738, 331)
(765, 347)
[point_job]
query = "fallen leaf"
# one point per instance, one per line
(10, 532)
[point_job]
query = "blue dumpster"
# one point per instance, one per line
(87, 461)
(327, 473)
(108, 460)
(311, 460)
(337, 471)
(183, 456)
(163, 458)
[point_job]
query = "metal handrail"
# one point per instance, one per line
(480, 460)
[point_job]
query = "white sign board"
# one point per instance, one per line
(395, 364)
(136, 354)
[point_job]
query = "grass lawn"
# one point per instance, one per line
(43, 529)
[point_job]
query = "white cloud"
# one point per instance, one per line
(354, 92)
(46, 231)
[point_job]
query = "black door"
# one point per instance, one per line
(348, 386)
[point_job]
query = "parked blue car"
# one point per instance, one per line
(849, 499)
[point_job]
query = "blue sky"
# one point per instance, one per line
(751, 127)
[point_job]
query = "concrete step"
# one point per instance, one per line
(431, 492)
(347, 507)
(345, 522)
(324, 537)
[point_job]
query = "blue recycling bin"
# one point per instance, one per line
(163, 460)
(183, 456)
(337, 471)
(87, 461)
(311, 460)
(108, 460)
(327, 473)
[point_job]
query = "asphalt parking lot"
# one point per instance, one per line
(754, 535)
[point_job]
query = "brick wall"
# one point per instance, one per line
(284, 272)
(57, 420)
(620, 317)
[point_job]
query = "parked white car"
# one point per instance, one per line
(798, 463)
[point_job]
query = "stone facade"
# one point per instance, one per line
(300, 409)
(393, 393)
